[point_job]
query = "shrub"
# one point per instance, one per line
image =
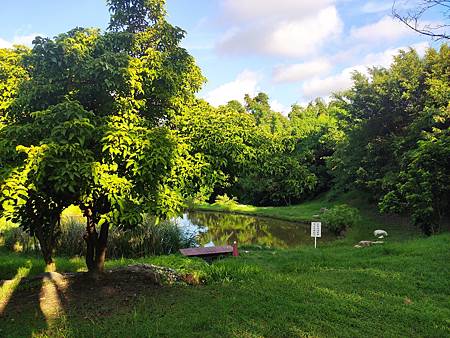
(340, 218)
(15, 239)
(225, 201)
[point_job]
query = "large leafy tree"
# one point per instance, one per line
(277, 174)
(317, 129)
(224, 138)
(266, 118)
(91, 127)
(12, 73)
(397, 141)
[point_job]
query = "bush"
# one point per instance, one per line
(225, 201)
(17, 240)
(340, 218)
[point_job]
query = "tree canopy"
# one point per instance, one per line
(89, 126)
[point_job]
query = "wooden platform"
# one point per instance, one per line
(207, 252)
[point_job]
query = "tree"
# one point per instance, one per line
(318, 130)
(396, 147)
(259, 107)
(277, 174)
(224, 138)
(416, 17)
(91, 127)
(11, 76)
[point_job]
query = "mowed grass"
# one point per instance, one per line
(399, 289)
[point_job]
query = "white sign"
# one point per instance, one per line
(316, 229)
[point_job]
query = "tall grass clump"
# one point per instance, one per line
(147, 239)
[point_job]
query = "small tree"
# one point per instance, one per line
(90, 128)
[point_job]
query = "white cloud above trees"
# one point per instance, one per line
(244, 10)
(300, 71)
(385, 29)
(246, 82)
(25, 40)
(343, 80)
(290, 36)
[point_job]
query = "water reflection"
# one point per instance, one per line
(223, 228)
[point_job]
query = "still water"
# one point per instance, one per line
(224, 228)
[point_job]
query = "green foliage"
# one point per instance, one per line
(12, 74)
(278, 174)
(149, 238)
(90, 127)
(266, 119)
(340, 218)
(221, 139)
(226, 202)
(397, 145)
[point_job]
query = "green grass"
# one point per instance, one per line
(400, 289)
(296, 213)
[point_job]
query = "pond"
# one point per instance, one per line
(224, 228)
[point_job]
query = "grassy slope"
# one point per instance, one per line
(400, 289)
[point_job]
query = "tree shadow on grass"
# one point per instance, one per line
(33, 300)
(20, 313)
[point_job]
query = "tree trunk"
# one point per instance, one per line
(100, 250)
(90, 237)
(46, 243)
(96, 244)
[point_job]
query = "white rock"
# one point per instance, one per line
(380, 233)
(209, 245)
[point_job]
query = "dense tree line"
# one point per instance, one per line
(109, 121)
(388, 135)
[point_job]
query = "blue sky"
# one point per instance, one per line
(294, 50)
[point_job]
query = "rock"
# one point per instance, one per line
(363, 244)
(209, 245)
(380, 233)
(157, 275)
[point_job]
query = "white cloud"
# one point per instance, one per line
(5, 44)
(292, 38)
(386, 29)
(245, 83)
(375, 7)
(385, 58)
(25, 40)
(279, 107)
(300, 71)
(255, 9)
(334, 83)
(341, 81)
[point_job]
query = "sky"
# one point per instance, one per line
(294, 50)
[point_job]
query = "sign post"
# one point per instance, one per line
(316, 231)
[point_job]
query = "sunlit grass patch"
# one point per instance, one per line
(8, 287)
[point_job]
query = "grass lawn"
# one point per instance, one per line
(400, 289)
